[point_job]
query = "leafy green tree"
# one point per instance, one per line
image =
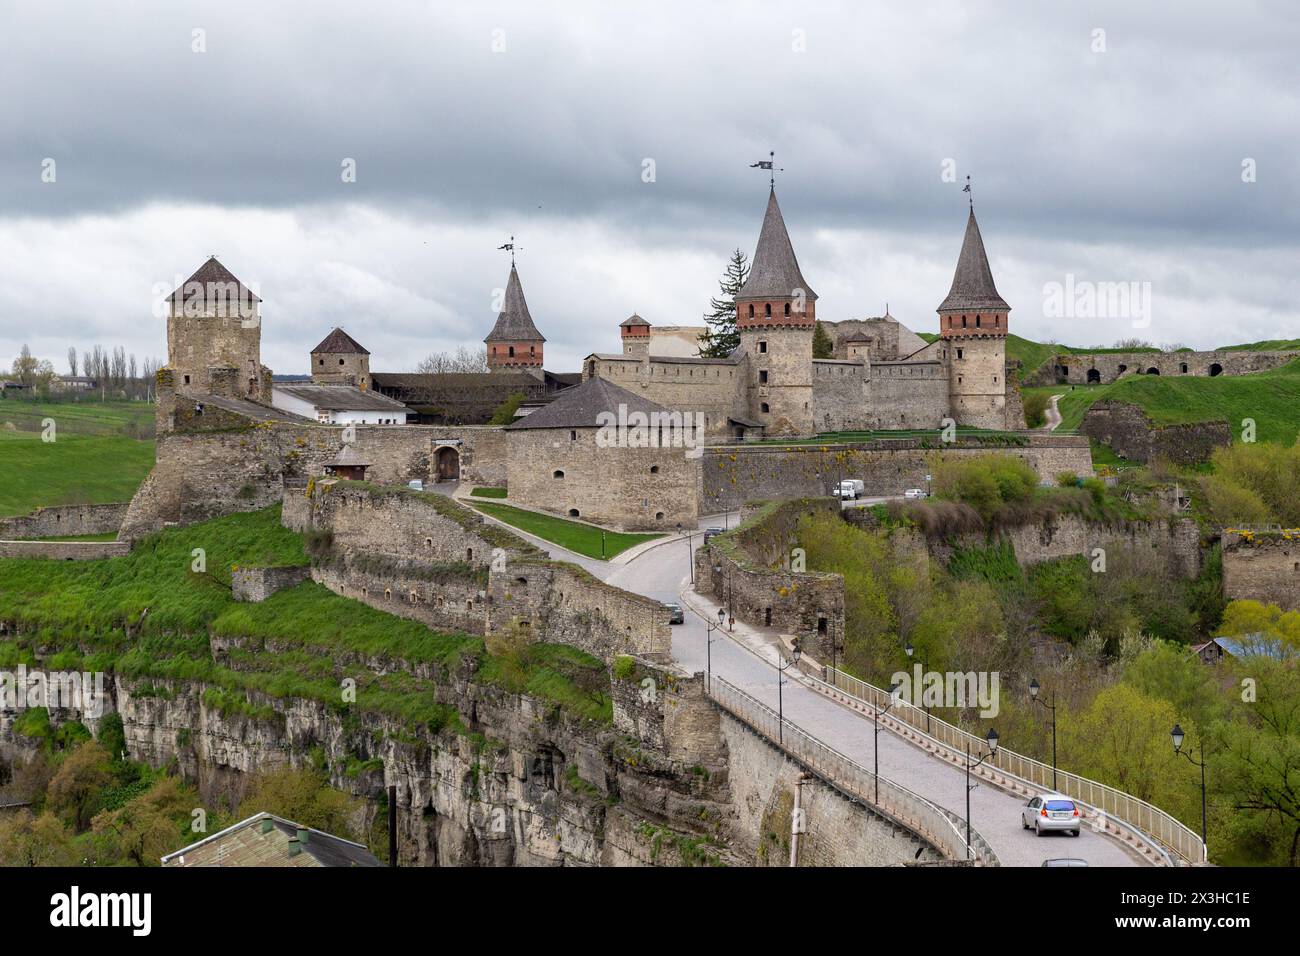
(303, 796)
(29, 840)
(504, 413)
(722, 338)
(823, 347)
(1255, 767)
(75, 789)
(146, 828)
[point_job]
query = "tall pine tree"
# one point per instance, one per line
(722, 337)
(823, 347)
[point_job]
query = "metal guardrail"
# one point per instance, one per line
(1149, 822)
(941, 827)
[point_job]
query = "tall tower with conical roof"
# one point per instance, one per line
(973, 324)
(776, 313)
(514, 344)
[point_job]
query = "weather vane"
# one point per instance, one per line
(966, 189)
(770, 165)
(510, 246)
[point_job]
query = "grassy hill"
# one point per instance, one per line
(1271, 398)
(101, 453)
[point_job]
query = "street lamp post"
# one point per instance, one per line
(1177, 735)
(992, 739)
(708, 649)
(927, 485)
(1034, 688)
(909, 650)
(795, 650)
(895, 690)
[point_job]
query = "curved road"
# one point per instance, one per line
(662, 571)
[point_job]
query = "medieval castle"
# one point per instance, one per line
(552, 455)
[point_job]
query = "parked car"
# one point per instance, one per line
(850, 488)
(912, 493)
(1065, 861)
(675, 614)
(712, 533)
(415, 484)
(1051, 811)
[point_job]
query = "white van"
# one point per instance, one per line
(851, 488)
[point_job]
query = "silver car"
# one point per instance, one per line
(1051, 811)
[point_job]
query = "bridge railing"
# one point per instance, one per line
(1148, 821)
(941, 827)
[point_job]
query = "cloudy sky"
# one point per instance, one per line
(1108, 142)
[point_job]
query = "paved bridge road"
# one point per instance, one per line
(661, 571)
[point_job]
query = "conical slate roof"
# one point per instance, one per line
(348, 457)
(774, 273)
(212, 276)
(339, 342)
(633, 321)
(581, 406)
(972, 284)
(514, 324)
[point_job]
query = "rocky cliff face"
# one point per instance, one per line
(515, 781)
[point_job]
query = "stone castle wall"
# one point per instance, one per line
(64, 550)
(754, 579)
(425, 557)
(784, 356)
(258, 584)
(908, 394)
(1130, 433)
(1264, 567)
(1074, 368)
(1175, 540)
(715, 390)
(243, 466)
(733, 475)
(62, 520)
(841, 395)
(567, 473)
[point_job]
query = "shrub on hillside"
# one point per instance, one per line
(985, 482)
(1036, 409)
(1254, 483)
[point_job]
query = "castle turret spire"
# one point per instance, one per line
(514, 342)
(774, 273)
(972, 283)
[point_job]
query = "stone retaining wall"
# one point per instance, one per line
(62, 520)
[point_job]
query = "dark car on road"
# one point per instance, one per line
(675, 614)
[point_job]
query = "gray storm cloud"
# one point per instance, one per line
(472, 122)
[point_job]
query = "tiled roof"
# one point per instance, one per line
(514, 323)
(209, 277)
(339, 342)
(972, 283)
(255, 842)
(775, 271)
(581, 406)
(342, 398)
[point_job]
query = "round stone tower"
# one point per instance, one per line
(973, 324)
(340, 360)
(776, 315)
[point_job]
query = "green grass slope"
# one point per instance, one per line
(76, 614)
(1271, 398)
(71, 470)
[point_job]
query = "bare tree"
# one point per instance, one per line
(72, 361)
(464, 359)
